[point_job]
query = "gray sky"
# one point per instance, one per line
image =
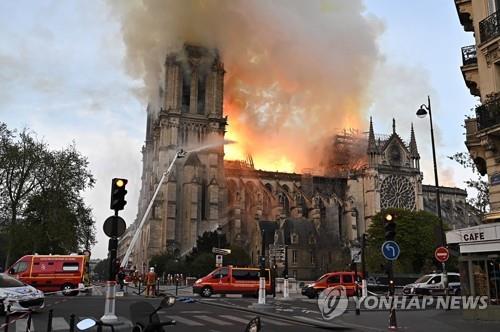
(62, 75)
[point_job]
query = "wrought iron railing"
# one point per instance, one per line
(489, 28)
(469, 55)
(488, 114)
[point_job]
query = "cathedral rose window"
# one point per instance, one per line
(397, 191)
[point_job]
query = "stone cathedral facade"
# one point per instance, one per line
(316, 216)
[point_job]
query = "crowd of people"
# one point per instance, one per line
(149, 279)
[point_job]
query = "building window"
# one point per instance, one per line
(186, 90)
(492, 6)
(70, 266)
(312, 257)
(202, 82)
(294, 256)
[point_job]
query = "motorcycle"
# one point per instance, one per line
(145, 318)
(143, 315)
(254, 325)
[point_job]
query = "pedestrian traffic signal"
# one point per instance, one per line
(118, 193)
(390, 227)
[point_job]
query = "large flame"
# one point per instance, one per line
(296, 71)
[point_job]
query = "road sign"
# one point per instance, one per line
(390, 250)
(442, 254)
(220, 251)
(117, 230)
(277, 253)
(218, 260)
(356, 254)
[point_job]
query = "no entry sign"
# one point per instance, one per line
(442, 254)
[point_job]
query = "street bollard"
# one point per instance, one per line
(139, 289)
(72, 323)
(28, 323)
(176, 285)
(49, 322)
(7, 320)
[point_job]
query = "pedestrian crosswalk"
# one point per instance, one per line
(223, 320)
(187, 319)
(58, 324)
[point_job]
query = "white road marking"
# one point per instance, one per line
(21, 325)
(236, 319)
(214, 320)
(186, 321)
(274, 322)
(59, 324)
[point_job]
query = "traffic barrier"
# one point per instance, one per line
(72, 323)
(49, 320)
(28, 323)
(9, 321)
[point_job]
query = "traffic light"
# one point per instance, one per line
(390, 227)
(118, 193)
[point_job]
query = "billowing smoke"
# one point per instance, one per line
(296, 70)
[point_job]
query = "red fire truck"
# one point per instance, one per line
(51, 273)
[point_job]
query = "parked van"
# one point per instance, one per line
(332, 279)
(51, 273)
(433, 284)
(231, 280)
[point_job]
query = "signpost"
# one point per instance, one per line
(219, 251)
(390, 250)
(442, 254)
(218, 260)
(277, 252)
(356, 255)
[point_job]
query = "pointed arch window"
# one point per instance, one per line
(186, 90)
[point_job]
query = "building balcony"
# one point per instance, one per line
(470, 70)
(469, 55)
(464, 11)
(488, 114)
(489, 28)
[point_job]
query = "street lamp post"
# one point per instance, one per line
(421, 113)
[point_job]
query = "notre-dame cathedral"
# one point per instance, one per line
(316, 216)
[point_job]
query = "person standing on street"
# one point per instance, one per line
(121, 278)
(150, 282)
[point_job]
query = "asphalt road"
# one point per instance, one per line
(232, 314)
(189, 316)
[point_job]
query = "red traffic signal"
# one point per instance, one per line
(118, 193)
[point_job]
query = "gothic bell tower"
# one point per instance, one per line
(191, 118)
(392, 178)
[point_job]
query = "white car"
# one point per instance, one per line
(433, 284)
(16, 296)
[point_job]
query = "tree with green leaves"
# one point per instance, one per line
(41, 197)
(417, 234)
(481, 202)
(101, 269)
(201, 260)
